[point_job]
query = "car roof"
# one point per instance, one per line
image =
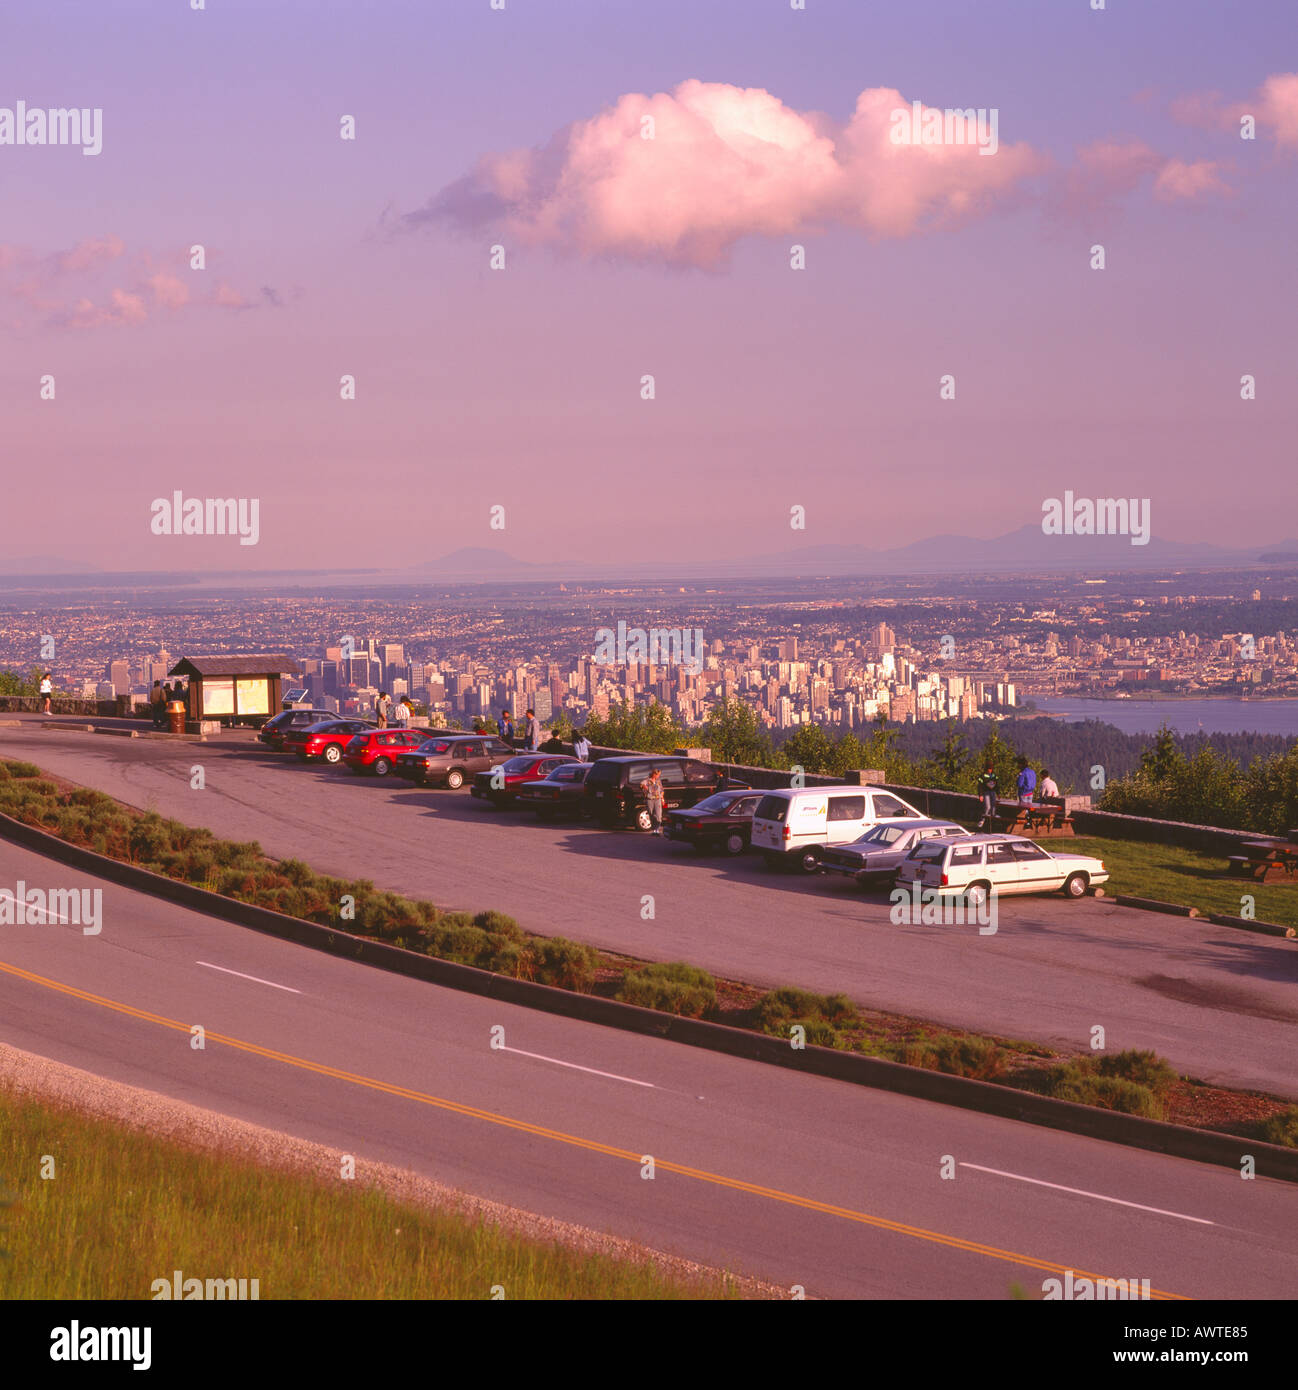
(912, 824)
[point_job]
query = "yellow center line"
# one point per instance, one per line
(573, 1140)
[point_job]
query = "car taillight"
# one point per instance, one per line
(944, 880)
(788, 834)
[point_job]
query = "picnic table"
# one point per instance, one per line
(1038, 819)
(1268, 859)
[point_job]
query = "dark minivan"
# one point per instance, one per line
(613, 794)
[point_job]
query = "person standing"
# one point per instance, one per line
(581, 746)
(1027, 783)
(652, 787)
(381, 707)
(988, 786)
(401, 713)
(532, 731)
(158, 701)
(505, 726)
(1049, 787)
(47, 689)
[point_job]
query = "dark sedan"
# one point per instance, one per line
(272, 732)
(500, 785)
(563, 792)
(723, 821)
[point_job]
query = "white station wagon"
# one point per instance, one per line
(971, 866)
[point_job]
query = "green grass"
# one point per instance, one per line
(1183, 876)
(124, 1209)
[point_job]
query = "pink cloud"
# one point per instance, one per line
(97, 282)
(1274, 106)
(1178, 179)
(724, 163)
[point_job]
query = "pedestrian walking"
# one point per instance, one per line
(47, 689)
(1027, 783)
(652, 787)
(581, 746)
(532, 731)
(988, 786)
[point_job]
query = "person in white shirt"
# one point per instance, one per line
(581, 747)
(1048, 785)
(401, 713)
(47, 689)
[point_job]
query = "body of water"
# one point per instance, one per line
(1184, 716)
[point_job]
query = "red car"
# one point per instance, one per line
(325, 740)
(502, 789)
(376, 750)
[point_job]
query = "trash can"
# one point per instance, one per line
(176, 717)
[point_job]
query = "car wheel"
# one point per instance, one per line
(644, 821)
(1076, 885)
(809, 860)
(333, 753)
(382, 767)
(455, 779)
(735, 843)
(976, 895)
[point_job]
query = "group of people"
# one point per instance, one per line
(160, 697)
(392, 713)
(1026, 786)
(531, 736)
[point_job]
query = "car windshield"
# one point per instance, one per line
(570, 772)
(434, 745)
(930, 850)
(517, 764)
(720, 802)
(772, 808)
(881, 835)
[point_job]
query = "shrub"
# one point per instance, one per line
(671, 987)
(779, 1008)
(1281, 1128)
(1081, 1081)
(979, 1058)
(17, 768)
(1144, 1068)
(563, 963)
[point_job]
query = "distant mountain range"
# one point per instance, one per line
(1027, 549)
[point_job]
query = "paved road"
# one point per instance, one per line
(1220, 1004)
(795, 1179)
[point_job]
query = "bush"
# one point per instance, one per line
(672, 987)
(1081, 1081)
(781, 1007)
(1281, 1128)
(979, 1058)
(566, 964)
(16, 768)
(1144, 1068)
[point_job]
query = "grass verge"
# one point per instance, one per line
(122, 1209)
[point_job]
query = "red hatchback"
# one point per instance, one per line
(325, 740)
(500, 786)
(376, 750)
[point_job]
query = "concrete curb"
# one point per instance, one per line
(1154, 905)
(1202, 1146)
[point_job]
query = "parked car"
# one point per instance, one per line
(326, 739)
(970, 867)
(500, 785)
(376, 750)
(874, 858)
(613, 793)
(793, 826)
(273, 730)
(721, 821)
(564, 790)
(451, 759)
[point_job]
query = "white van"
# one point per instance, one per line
(791, 826)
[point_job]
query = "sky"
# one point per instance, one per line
(479, 389)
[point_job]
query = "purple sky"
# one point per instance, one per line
(521, 387)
